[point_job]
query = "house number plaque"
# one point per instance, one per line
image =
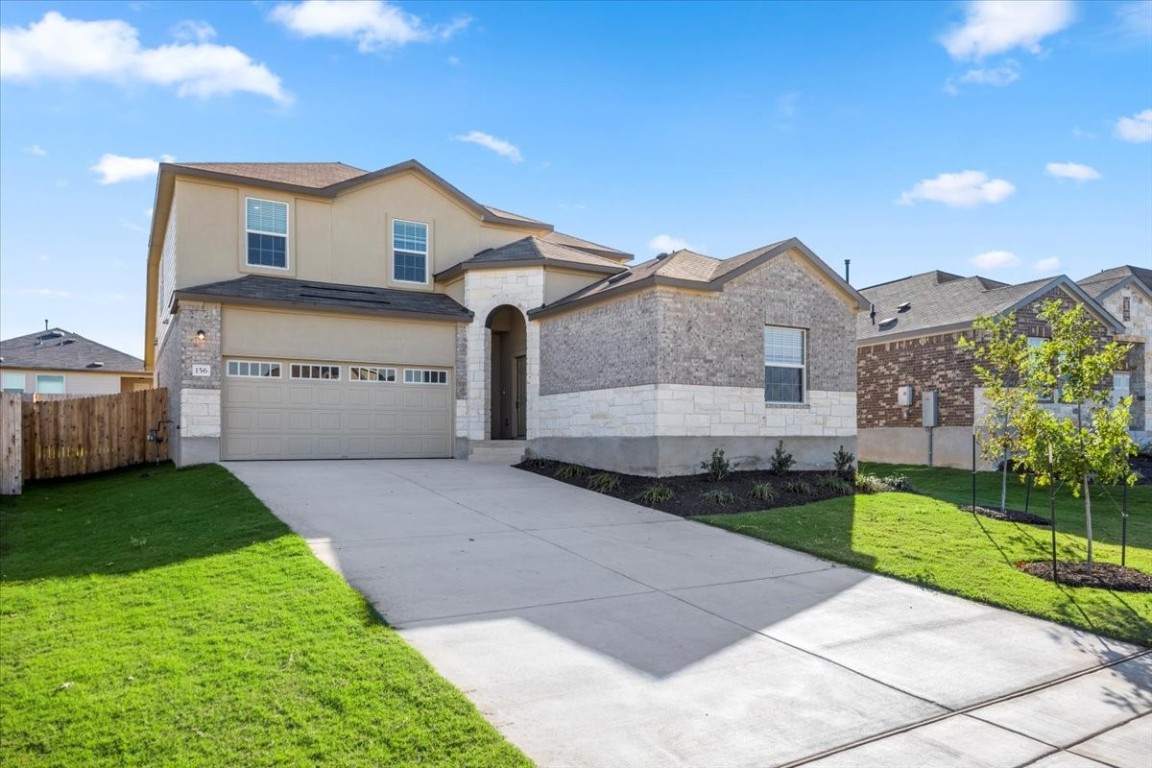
(201, 371)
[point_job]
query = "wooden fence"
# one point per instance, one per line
(79, 436)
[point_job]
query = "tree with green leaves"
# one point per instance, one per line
(1085, 441)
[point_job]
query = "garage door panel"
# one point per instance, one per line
(318, 419)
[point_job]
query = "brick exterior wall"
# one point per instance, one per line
(932, 362)
(193, 402)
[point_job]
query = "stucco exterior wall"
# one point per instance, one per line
(76, 383)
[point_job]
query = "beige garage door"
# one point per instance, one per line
(303, 410)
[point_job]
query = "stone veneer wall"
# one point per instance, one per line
(1138, 332)
(193, 402)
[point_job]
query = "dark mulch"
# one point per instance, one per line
(1011, 515)
(1143, 465)
(688, 490)
(1103, 576)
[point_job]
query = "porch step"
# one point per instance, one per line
(497, 451)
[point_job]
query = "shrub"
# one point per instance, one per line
(843, 460)
(836, 484)
(897, 483)
(764, 491)
(872, 484)
(719, 496)
(797, 486)
(604, 482)
(781, 460)
(718, 468)
(655, 493)
(570, 472)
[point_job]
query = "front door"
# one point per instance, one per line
(521, 397)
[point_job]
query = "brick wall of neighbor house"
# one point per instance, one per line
(193, 402)
(928, 362)
(602, 346)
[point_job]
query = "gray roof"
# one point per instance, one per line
(942, 302)
(1105, 282)
(581, 244)
(308, 294)
(60, 350)
(688, 269)
(529, 251)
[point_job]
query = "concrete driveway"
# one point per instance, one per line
(594, 632)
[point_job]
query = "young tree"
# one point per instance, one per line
(1074, 369)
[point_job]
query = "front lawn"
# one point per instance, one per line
(165, 618)
(932, 543)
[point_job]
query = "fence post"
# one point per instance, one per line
(12, 447)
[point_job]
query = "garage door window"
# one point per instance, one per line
(329, 372)
(420, 376)
(362, 373)
(253, 369)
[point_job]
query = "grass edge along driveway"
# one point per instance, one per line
(156, 616)
(930, 542)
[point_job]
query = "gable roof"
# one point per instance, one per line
(1108, 281)
(59, 350)
(533, 251)
(259, 290)
(688, 269)
(942, 302)
(334, 179)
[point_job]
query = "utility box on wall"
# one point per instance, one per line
(930, 402)
(904, 396)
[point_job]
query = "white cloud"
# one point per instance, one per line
(1075, 171)
(194, 31)
(116, 168)
(65, 49)
(373, 24)
(488, 141)
(667, 244)
(959, 190)
(1082, 134)
(996, 26)
(36, 150)
(1000, 76)
(1050, 264)
(1135, 19)
(994, 260)
(1137, 128)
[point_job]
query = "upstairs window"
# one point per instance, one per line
(409, 252)
(784, 365)
(267, 231)
(1126, 309)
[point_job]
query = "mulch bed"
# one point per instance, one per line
(1103, 576)
(688, 490)
(1143, 465)
(1010, 515)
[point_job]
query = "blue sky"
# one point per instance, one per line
(1012, 140)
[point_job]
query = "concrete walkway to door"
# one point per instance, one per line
(594, 632)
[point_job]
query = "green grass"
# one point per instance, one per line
(165, 618)
(930, 542)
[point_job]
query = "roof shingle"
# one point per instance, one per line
(60, 350)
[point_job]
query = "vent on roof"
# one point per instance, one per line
(50, 335)
(340, 288)
(96, 364)
(617, 278)
(887, 323)
(66, 342)
(662, 256)
(904, 307)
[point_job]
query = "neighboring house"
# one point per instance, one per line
(60, 363)
(315, 310)
(1126, 292)
(907, 356)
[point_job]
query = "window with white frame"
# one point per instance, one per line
(1126, 308)
(409, 251)
(266, 225)
(365, 373)
(784, 364)
(49, 384)
(13, 382)
(326, 372)
(253, 369)
(421, 376)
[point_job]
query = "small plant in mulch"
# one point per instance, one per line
(797, 486)
(781, 460)
(721, 496)
(836, 484)
(763, 491)
(1103, 576)
(657, 493)
(718, 467)
(843, 460)
(604, 482)
(1010, 515)
(567, 471)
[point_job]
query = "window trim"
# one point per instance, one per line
(63, 383)
(378, 368)
(270, 363)
(423, 371)
(294, 369)
(802, 366)
(287, 229)
(427, 252)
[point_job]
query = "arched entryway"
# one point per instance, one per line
(508, 373)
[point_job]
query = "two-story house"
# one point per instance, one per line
(315, 310)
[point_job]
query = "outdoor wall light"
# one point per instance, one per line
(200, 335)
